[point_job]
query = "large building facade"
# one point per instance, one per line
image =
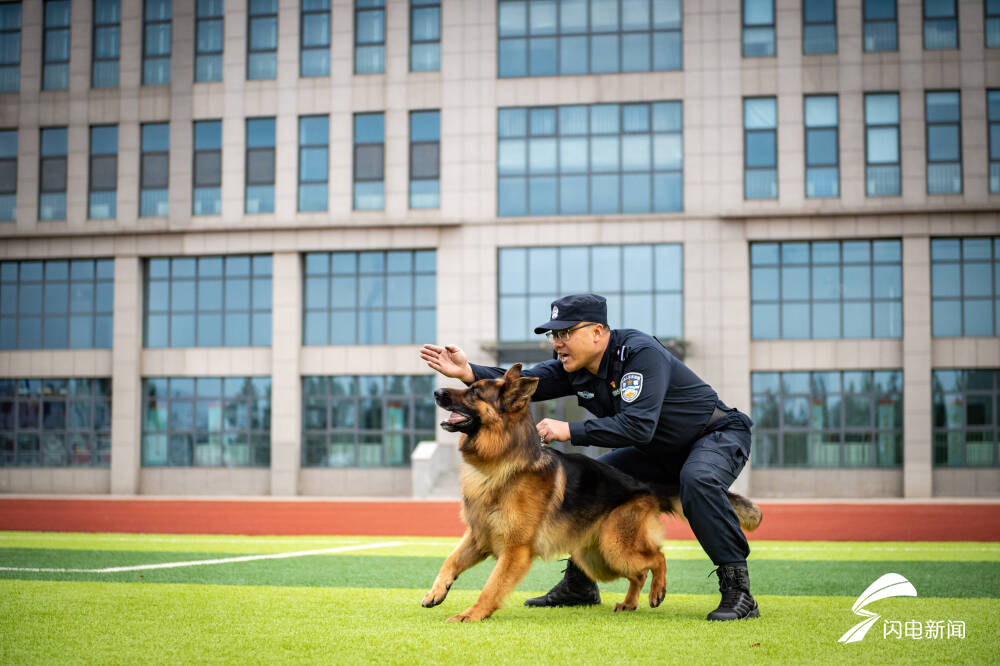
(227, 225)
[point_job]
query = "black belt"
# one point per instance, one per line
(716, 416)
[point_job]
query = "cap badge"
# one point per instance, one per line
(555, 312)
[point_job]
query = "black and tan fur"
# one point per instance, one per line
(522, 500)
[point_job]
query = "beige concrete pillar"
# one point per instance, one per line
(286, 385)
(126, 377)
(917, 362)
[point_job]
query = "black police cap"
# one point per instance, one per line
(571, 310)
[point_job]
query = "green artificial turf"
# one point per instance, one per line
(363, 606)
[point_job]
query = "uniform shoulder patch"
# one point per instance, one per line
(631, 386)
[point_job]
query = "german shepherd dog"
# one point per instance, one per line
(522, 500)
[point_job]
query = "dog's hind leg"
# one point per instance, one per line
(631, 600)
(512, 565)
(465, 556)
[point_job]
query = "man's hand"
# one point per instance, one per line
(551, 430)
(449, 360)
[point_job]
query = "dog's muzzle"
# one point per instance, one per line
(459, 419)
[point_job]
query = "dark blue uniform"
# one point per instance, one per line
(663, 423)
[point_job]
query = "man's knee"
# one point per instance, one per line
(698, 478)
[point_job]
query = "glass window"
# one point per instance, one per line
(8, 175)
(366, 420)
(828, 419)
(425, 148)
(370, 298)
(822, 146)
(369, 36)
(826, 289)
(760, 148)
(882, 145)
(758, 28)
(643, 284)
(209, 40)
(56, 304)
(207, 167)
(940, 24)
(156, 36)
(103, 190)
(880, 28)
(369, 161)
(992, 31)
(944, 142)
(314, 168)
(206, 422)
(993, 122)
(55, 422)
(819, 27)
(262, 41)
(965, 418)
(208, 301)
(154, 169)
(106, 44)
(52, 174)
(10, 47)
(314, 58)
(965, 286)
(599, 158)
(260, 165)
(55, 44)
(551, 37)
(425, 35)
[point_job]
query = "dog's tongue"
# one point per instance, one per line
(455, 417)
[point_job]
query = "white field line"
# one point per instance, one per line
(224, 560)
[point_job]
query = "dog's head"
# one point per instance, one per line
(487, 402)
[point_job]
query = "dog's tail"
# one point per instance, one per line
(748, 513)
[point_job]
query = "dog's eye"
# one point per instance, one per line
(473, 392)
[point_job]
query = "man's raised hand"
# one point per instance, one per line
(449, 360)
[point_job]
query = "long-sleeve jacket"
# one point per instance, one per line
(642, 395)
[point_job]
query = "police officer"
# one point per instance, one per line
(666, 426)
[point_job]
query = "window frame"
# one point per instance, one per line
(302, 180)
(14, 66)
(195, 153)
(898, 164)
(8, 164)
(143, 154)
(364, 7)
(254, 51)
(421, 5)
(815, 437)
(53, 158)
(92, 189)
(928, 124)
(201, 20)
(256, 408)
(940, 261)
(414, 147)
(955, 438)
(747, 133)
(93, 394)
(48, 60)
(306, 16)
(812, 301)
(836, 129)
(807, 23)
(94, 58)
(257, 308)
(928, 21)
(772, 26)
(148, 58)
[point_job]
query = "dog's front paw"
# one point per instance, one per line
(622, 606)
(469, 615)
(435, 596)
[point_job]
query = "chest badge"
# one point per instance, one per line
(631, 386)
(585, 395)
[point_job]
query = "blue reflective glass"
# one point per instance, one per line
(155, 137)
(573, 55)
(513, 57)
(208, 134)
(542, 56)
(369, 128)
(604, 54)
(260, 133)
(425, 126)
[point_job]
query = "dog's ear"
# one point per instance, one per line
(513, 372)
(517, 392)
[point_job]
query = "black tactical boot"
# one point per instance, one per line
(575, 589)
(737, 603)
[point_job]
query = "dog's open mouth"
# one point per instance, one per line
(456, 421)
